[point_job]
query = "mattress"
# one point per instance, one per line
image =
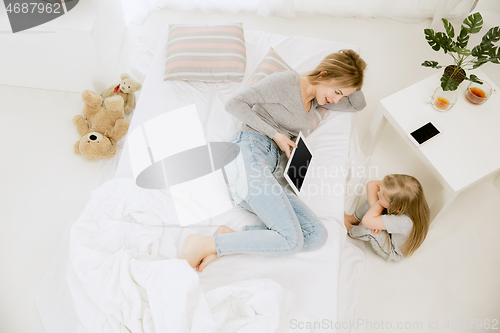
(123, 269)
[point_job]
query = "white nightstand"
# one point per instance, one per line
(466, 151)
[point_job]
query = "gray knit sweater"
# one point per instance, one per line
(274, 104)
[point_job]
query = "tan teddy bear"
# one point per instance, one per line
(126, 90)
(100, 127)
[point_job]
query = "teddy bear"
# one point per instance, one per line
(101, 126)
(126, 90)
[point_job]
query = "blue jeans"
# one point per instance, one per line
(290, 226)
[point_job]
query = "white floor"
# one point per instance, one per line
(453, 276)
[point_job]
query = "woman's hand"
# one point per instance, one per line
(284, 143)
(376, 231)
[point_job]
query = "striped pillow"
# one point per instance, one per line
(203, 53)
(271, 63)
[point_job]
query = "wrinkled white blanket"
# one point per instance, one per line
(134, 287)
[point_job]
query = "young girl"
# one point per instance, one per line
(394, 219)
(273, 112)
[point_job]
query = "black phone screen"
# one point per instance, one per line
(424, 133)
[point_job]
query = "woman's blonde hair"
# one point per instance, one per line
(406, 196)
(345, 66)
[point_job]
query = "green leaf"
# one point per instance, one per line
(438, 40)
(463, 38)
(461, 51)
(474, 23)
(432, 64)
(479, 62)
(449, 28)
(474, 78)
(481, 51)
(431, 39)
(448, 83)
(444, 41)
(494, 54)
(492, 36)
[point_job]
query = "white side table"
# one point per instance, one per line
(466, 151)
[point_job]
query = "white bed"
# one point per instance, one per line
(123, 273)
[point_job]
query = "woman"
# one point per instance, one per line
(273, 111)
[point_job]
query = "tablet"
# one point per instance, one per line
(298, 164)
(423, 134)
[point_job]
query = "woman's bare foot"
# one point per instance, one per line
(208, 259)
(198, 247)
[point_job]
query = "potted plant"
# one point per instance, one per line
(464, 58)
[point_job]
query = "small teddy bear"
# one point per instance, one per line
(100, 127)
(126, 90)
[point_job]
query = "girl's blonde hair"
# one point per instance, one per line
(406, 196)
(345, 66)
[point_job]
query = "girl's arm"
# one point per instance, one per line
(372, 189)
(373, 217)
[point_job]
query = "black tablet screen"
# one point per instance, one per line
(300, 163)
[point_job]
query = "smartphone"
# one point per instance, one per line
(423, 134)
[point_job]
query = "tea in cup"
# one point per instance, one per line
(443, 100)
(478, 93)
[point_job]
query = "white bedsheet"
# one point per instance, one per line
(123, 269)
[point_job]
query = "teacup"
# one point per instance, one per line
(443, 100)
(479, 93)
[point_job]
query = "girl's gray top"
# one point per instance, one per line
(274, 104)
(398, 229)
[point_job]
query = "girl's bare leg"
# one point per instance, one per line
(349, 220)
